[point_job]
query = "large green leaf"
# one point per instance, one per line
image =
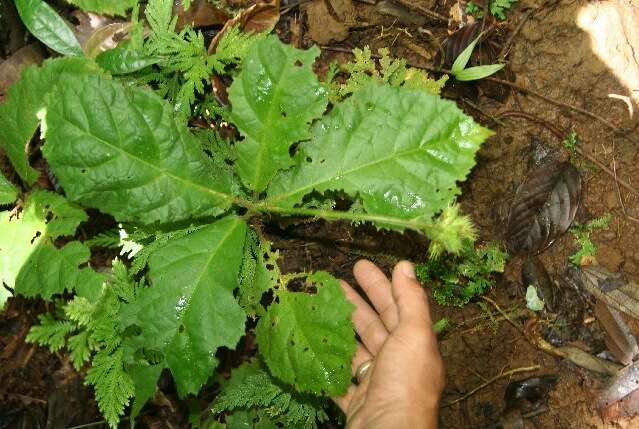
(124, 60)
(400, 150)
(105, 7)
(121, 150)
(50, 271)
(18, 114)
(189, 311)
(45, 217)
(275, 97)
(8, 192)
(46, 25)
(308, 340)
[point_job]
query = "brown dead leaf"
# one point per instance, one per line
(202, 13)
(11, 68)
(262, 16)
(329, 20)
(619, 340)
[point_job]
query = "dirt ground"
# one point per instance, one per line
(559, 53)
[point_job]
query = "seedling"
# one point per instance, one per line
(462, 73)
(498, 9)
(581, 233)
(194, 266)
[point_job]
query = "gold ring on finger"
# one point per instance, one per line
(362, 370)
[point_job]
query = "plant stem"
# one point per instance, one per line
(414, 224)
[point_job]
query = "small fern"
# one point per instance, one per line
(363, 70)
(185, 65)
(50, 333)
(251, 388)
(113, 386)
(581, 233)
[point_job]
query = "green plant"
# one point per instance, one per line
(581, 234)
(498, 9)
(193, 267)
(456, 280)
(462, 73)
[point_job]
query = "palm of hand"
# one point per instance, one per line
(402, 387)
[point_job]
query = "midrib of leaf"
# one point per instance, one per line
(204, 269)
(300, 324)
(227, 197)
(263, 149)
(309, 187)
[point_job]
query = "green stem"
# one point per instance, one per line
(332, 215)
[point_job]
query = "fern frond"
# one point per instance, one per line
(50, 333)
(113, 386)
(108, 239)
(252, 388)
(233, 48)
(79, 349)
(80, 310)
(122, 284)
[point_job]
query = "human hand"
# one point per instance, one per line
(402, 386)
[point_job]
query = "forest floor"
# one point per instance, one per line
(576, 52)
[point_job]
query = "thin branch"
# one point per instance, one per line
(565, 105)
(491, 381)
(503, 314)
(506, 49)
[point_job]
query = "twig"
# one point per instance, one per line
(584, 153)
(503, 314)
(506, 48)
(423, 10)
(623, 206)
(565, 105)
(27, 398)
(489, 382)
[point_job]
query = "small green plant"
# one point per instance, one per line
(456, 280)
(581, 233)
(498, 9)
(193, 266)
(462, 73)
(570, 143)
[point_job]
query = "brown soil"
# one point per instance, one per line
(552, 55)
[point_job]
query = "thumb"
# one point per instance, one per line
(412, 304)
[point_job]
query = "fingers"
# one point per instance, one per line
(378, 290)
(412, 304)
(366, 321)
(361, 356)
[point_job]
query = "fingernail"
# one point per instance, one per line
(407, 269)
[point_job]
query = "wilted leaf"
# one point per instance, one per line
(543, 208)
(202, 13)
(48, 27)
(457, 42)
(11, 68)
(611, 288)
(619, 340)
(623, 384)
(106, 38)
